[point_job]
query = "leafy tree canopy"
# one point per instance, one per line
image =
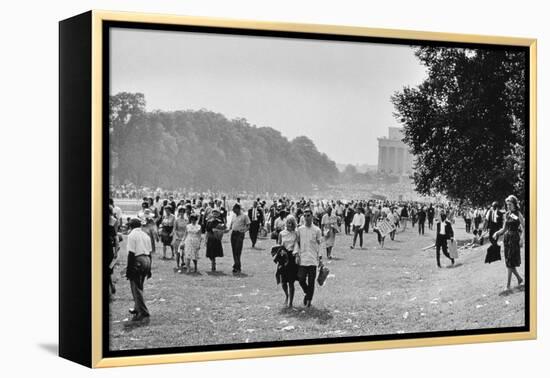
(465, 123)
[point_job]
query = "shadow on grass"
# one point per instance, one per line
(455, 266)
(514, 290)
(242, 275)
(217, 273)
(192, 274)
(322, 315)
(131, 325)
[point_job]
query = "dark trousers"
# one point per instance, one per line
(477, 221)
(254, 228)
(306, 278)
(136, 285)
(441, 244)
(367, 223)
(347, 227)
(421, 228)
(358, 231)
(379, 236)
(237, 239)
(430, 223)
(468, 223)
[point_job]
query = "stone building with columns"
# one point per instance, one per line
(393, 155)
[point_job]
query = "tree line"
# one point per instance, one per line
(204, 150)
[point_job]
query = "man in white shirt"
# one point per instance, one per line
(309, 243)
(139, 249)
(357, 224)
(239, 225)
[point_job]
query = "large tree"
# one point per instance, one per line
(465, 123)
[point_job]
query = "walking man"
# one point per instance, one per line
(430, 214)
(240, 223)
(421, 215)
(493, 221)
(444, 232)
(358, 224)
(309, 243)
(256, 216)
(348, 217)
(139, 264)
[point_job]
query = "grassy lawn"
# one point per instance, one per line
(371, 291)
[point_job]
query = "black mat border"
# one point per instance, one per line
(107, 25)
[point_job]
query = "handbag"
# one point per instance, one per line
(323, 274)
(453, 249)
(493, 253)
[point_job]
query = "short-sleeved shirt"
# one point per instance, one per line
(139, 242)
(239, 223)
(280, 224)
(310, 242)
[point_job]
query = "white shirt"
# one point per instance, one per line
(118, 212)
(139, 242)
(442, 228)
(494, 214)
(310, 241)
(280, 224)
(359, 220)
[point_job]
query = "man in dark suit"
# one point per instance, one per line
(493, 221)
(421, 216)
(430, 213)
(444, 232)
(256, 216)
(348, 218)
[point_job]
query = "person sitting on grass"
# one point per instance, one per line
(476, 241)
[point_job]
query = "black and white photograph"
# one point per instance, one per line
(288, 189)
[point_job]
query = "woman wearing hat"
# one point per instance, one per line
(180, 225)
(329, 229)
(215, 228)
(192, 242)
(513, 223)
(167, 231)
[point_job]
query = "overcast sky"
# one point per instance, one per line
(336, 93)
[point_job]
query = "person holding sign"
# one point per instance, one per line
(444, 232)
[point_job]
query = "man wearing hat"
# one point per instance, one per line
(256, 216)
(139, 264)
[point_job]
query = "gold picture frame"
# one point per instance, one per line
(92, 24)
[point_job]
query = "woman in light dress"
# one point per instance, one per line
(287, 239)
(329, 229)
(180, 227)
(192, 242)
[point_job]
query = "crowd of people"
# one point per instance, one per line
(300, 230)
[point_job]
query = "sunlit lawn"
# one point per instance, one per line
(371, 291)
